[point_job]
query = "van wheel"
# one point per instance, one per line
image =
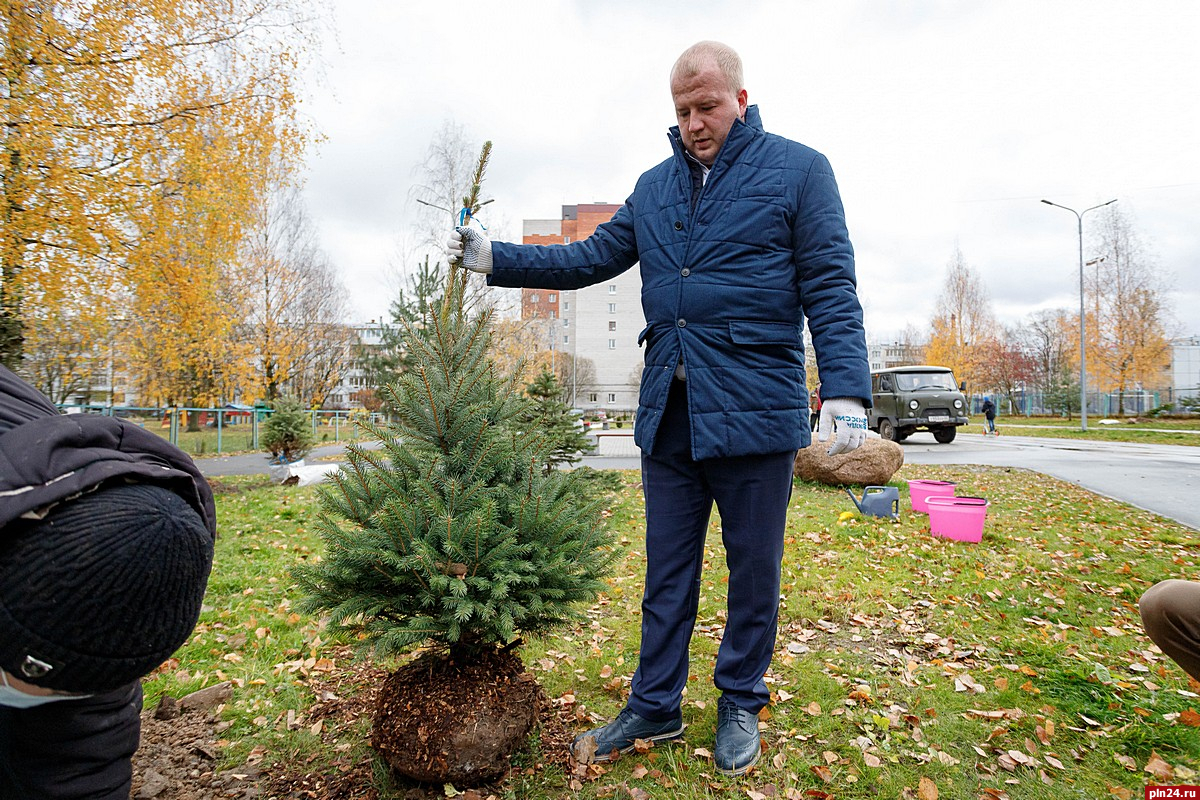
(887, 430)
(945, 435)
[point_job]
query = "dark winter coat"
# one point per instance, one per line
(47, 457)
(989, 409)
(726, 285)
(76, 748)
(72, 749)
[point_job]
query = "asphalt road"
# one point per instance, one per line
(1164, 479)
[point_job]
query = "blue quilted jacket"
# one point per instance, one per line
(726, 286)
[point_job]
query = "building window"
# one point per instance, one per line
(566, 339)
(552, 298)
(566, 240)
(566, 322)
(612, 397)
(592, 398)
(612, 324)
(612, 308)
(566, 305)
(553, 314)
(533, 298)
(612, 288)
(612, 344)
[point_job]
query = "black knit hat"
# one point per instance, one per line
(103, 590)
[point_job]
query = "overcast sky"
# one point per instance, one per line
(946, 124)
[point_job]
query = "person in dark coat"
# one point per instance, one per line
(814, 404)
(989, 414)
(106, 543)
(740, 235)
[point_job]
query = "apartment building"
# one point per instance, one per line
(598, 323)
(883, 355)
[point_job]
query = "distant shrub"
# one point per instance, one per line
(288, 432)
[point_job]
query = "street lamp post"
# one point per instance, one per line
(1082, 324)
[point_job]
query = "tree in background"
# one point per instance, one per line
(385, 362)
(1004, 365)
(287, 433)
(1128, 341)
(183, 339)
(125, 126)
(553, 418)
(294, 303)
(440, 183)
(1050, 340)
(963, 324)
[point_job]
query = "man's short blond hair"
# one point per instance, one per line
(698, 56)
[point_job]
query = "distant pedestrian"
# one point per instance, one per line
(989, 414)
(814, 407)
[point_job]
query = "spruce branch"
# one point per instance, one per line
(453, 300)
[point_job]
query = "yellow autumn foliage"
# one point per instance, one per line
(136, 142)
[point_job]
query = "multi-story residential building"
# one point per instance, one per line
(897, 354)
(599, 323)
(1185, 368)
(354, 378)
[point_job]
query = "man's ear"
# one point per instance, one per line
(741, 98)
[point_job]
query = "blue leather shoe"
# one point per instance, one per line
(620, 734)
(738, 741)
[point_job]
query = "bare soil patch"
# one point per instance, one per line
(180, 758)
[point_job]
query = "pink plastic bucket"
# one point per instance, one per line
(920, 491)
(959, 518)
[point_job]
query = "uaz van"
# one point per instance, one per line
(917, 398)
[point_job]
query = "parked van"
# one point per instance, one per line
(917, 398)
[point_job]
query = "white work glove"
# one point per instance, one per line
(470, 248)
(850, 418)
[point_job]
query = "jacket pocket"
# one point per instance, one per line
(643, 335)
(758, 332)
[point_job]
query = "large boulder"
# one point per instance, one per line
(874, 463)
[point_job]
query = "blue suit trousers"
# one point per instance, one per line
(751, 494)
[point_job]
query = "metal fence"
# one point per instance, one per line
(1136, 402)
(223, 430)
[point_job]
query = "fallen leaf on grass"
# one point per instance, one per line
(1126, 762)
(1158, 768)
(823, 772)
(1189, 717)
(1120, 792)
(964, 682)
(927, 789)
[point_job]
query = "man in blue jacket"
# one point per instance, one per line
(740, 235)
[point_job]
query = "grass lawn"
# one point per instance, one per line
(1145, 430)
(907, 666)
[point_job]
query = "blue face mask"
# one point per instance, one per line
(13, 697)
